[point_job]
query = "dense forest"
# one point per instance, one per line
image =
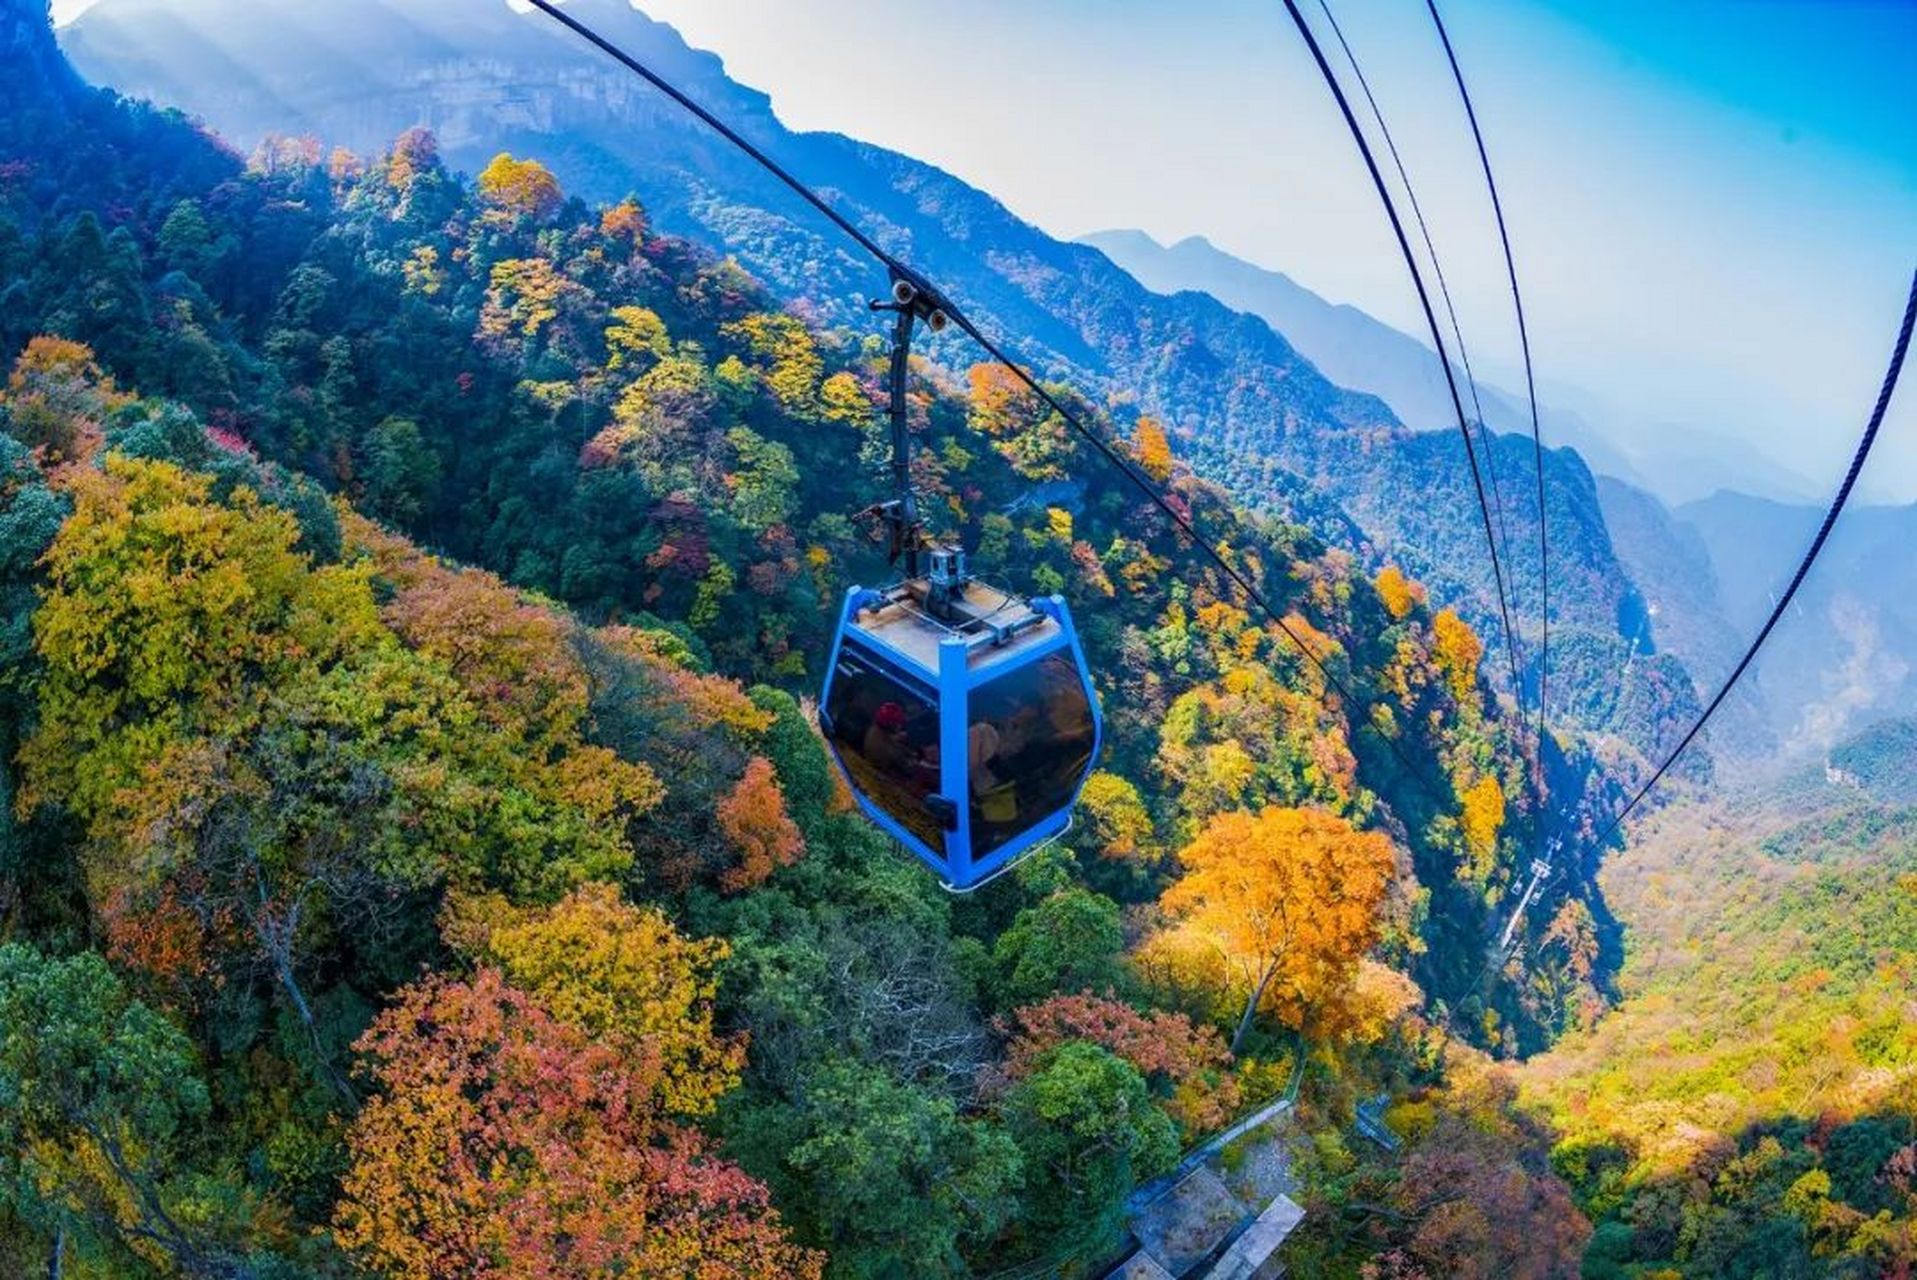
(419, 858)
(1241, 403)
(1750, 1107)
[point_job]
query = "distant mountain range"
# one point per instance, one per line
(1708, 567)
(1250, 370)
(1844, 655)
(1349, 346)
(1356, 350)
(1711, 570)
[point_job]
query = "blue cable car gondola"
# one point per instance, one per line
(962, 716)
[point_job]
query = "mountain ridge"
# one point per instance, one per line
(1357, 350)
(1245, 405)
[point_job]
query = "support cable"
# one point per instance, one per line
(901, 271)
(1477, 404)
(1437, 335)
(1530, 381)
(1437, 269)
(1897, 354)
(1497, 953)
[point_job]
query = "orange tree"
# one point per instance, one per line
(503, 1143)
(1289, 898)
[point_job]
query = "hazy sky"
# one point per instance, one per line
(1714, 204)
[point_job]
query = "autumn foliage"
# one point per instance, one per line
(1157, 1043)
(1154, 449)
(503, 1143)
(524, 188)
(56, 397)
(1289, 897)
(560, 826)
(1399, 593)
(623, 976)
(1186, 1059)
(1480, 818)
(1458, 651)
(754, 819)
(1119, 825)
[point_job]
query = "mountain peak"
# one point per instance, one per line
(1122, 238)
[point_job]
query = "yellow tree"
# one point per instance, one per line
(636, 337)
(1115, 816)
(1288, 898)
(782, 349)
(523, 188)
(1481, 817)
(1399, 593)
(1154, 449)
(624, 976)
(58, 397)
(526, 296)
(1458, 650)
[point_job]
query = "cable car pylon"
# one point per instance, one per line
(1540, 871)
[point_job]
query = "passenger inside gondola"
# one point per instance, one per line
(887, 744)
(886, 733)
(1030, 743)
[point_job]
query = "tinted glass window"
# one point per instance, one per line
(885, 728)
(1029, 742)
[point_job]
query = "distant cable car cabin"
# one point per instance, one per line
(962, 716)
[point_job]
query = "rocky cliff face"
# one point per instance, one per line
(30, 61)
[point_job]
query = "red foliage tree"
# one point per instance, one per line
(1157, 1043)
(1167, 1048)
(503, 1143)
(1483, 1211)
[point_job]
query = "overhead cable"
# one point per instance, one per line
(1530, 380)
(1816, 547)
(901, 270)
(1431, 322)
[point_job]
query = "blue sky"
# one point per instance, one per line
(1714, 204)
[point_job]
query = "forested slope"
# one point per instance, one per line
(1750, 1107)
(1243, 405)
(324, 851)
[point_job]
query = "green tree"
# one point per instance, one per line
(185, 238)
(1070, 941)
(764, 482)
(1089, 1132)
(30, 516)
(891, 1178)
(399, 473)
(100, 1100)
(797, 755)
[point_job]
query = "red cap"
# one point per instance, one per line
(890, 717)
